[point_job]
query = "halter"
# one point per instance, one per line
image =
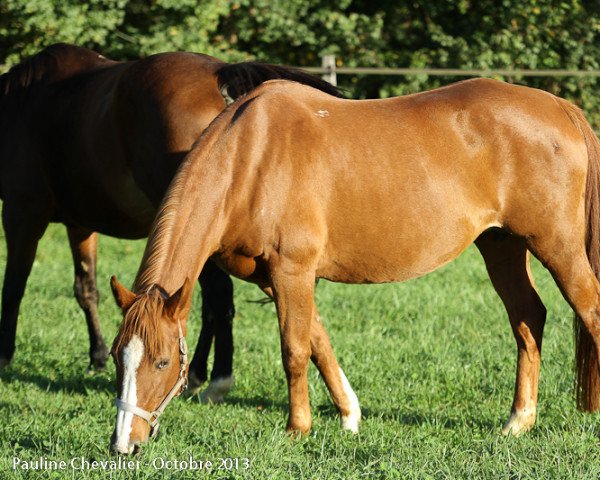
(178, 388)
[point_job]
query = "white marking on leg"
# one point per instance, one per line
(132, 358)
(350, 421)
(217, 389)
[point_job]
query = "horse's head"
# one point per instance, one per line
(54, 63)
(150, 354)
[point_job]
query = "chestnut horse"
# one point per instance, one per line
(289, 184)
(94, 143)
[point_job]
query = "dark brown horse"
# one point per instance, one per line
(289, 184)
(94, 143)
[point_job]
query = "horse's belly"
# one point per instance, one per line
(119, 210)
(369, 268)
(396, 254)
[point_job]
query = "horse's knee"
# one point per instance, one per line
(217, 312)
(295, 359)
(85, 291)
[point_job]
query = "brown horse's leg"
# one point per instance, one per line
(570, 267)
(339, 388)
(322, 356)
(217, 322)
(293, 289)
(507, 261)
(84, 245)
(23, 230)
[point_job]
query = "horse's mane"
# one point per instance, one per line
(143, 318)
(242, 78)
(55, 62)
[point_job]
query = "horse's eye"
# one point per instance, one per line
(162, 364)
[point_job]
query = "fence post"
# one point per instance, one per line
(328, 64)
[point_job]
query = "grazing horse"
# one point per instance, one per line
(94, 143)
(288, 185)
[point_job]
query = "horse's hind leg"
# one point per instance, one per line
(84, 246)
(217, 322)
(507, 261)
(569, 264)
(23, 228)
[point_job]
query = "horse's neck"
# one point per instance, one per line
(188, 228)
(53, 64)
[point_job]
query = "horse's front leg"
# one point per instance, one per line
(84, 247)
(323, 357)
(217, 323)
(23, 226)
(293, 289)
(339, 388)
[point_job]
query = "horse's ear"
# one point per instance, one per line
(123, 297)
(177, 302)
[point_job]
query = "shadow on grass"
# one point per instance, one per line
(402, 417)
(79, 382)
(432, 418)
(256, 402)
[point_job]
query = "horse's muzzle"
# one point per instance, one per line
(130, 448)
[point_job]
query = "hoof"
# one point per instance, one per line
(350, 422)
(98, 360)
(216, 390)
(96, 366)
(519, 422)
(194, 385)
(4, 362)
(297, 432)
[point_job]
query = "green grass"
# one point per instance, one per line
(432, 362)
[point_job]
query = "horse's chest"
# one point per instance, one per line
(114, 207)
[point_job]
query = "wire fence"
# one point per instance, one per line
(329, 71)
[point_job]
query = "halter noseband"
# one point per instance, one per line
(178, 388)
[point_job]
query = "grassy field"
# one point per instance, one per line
(432, 362)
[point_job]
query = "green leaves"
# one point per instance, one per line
(524, 34)
(26, 27)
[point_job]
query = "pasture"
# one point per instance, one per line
(432, 361)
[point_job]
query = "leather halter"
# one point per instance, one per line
(178, 388)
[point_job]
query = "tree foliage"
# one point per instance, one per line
(533, 34)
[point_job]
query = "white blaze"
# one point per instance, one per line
(132, 358)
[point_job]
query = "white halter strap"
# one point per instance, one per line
(178, 388)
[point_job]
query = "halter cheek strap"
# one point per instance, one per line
(177, 389)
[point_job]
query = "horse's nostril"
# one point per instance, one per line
(120, 449)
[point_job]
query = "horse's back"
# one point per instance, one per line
(391, 189)
(163, 103)
(154, 112)
(102, 142)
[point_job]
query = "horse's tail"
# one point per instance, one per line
(587, 372)
(237, 79)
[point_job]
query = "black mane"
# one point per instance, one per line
(242, 78)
